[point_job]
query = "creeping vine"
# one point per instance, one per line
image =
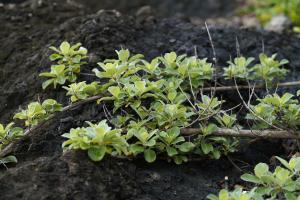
(160, 108)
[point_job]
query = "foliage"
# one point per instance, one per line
(157, 93)
(145, 143)
(130, 92)
(56, 76)
(213, 146)
(282, 111)
(209, 106)
(237, 194)
(191, 70)
(69, 59)
(175, 145)
(81, 90)
(268, 69)
(238, 68)
(170, 115)
(154, 100)
(98, 139)
(8, 159)
(8, 134)
(124, 66)
(169, 142)
(266, 9)
(225, 120)
(37, 112)
(282, 182)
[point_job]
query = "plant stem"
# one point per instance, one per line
(224, 132)
(186, 131)
(7, 149)
(245, 87)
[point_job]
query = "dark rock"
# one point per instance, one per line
(43, 171)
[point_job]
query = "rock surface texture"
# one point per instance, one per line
(43, 171)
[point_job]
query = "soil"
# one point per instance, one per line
(43, 171)
(166, 8)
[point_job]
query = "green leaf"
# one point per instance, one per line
(1, 128)
(171, 151)
(263, 190)
(261, 169)
(115, 91)
(20, 115)
(55, 56)
(290, 186)
(250, 178)
(173, 132)
(182, 69)
(170, 57)
(206, 147)
(186, 147)
(211, 128)
(223, 195)
(216, 154)
(140, 86)
(286, 97)
(282, 175)
(284, 162)
(47, 83)
(54, 49)
(150, 143)
(290, 196)
(123, 54)
(64, 47)
(178, 159)
(172, 95)
(97, 153)
(294, 164)
(90, 89)
(212, 197)
(82, 51)
(51, 105)
(150, 155)
(8, 159)
(136, 149)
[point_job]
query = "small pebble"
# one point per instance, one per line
(279, 23)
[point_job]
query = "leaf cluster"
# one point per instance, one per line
(97, 139)
(82, 90)
(168, 142)
(152, 102)
(154, 98)
(37, 112)
(284, 181)
(68, 60)
(100, 139)
(281, 111)
(8, 134)
(269, 69)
